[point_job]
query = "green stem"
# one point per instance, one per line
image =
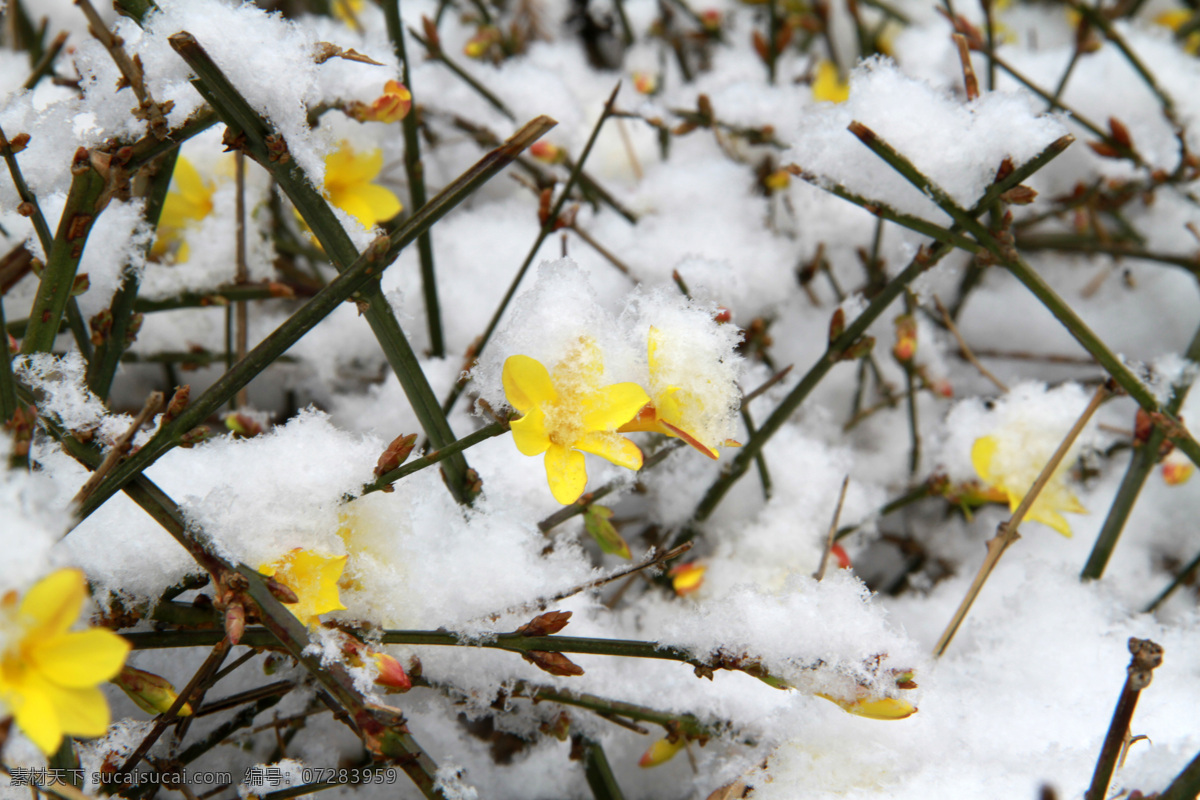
(688, 724)
(238, 114)
(435, 52)
(1182, 577)
(1070, 243)
(737, 468)
(1007, 255)
(366, 269)
(923, 261)
(599, 774)
(45, 64)
(8, 386)
(85, 201)
(434, 456)
(1186, 785)
(1145, 456)
(151, 147)
(414, 168)
(512, 642)
(102, 367)
(1113, 35)
(548, 226)
(760, 462)
(27, 196)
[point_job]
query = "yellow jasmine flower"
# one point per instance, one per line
(828, 86)
(188, 202)
(1007, 464)
(348, 186)
(49, 675)
(569, 414)
(674, 411)
(314, 579)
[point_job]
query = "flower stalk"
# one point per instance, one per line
(1006, 533)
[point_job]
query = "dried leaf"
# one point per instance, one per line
(554, 663)
(396, 453)
(546, 624)
(837, 325)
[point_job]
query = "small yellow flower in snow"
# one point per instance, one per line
(49, 675)
(569, 413)
(673, 411)
(661, 752)
(687, 578)
(314, 579)
(874, 707)
(188, 202)
(348, 186)
(391, 106)
(1007, 464)
(828, 86)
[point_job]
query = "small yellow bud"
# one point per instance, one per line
(661, 752)
(151, 693)
(687, 578)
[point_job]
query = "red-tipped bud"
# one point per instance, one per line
(391, 675)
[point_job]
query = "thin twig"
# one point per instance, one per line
(242, 276)
(830, 538)
(948, 321)
(120, 446)
(414, 170)
(1146, 657)
(1007, 533)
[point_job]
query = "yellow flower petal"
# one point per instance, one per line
(527, 383)
(54, 603)
(314, 579)
(35, 716)
(191, 199)
(982, 453)
(612, 447)
(80, 659)
(1049, 517)
(529, 433)
(82, 711)
(875, 707)
(48, 676)
(368, 203)
(346, 166)
(828, 86)
(566, 473)
(613, 406)
(1054, 498)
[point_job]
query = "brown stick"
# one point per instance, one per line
(1146, 657)
(120, 446)
(964, 349)
(833, 526)
(1007, 533)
